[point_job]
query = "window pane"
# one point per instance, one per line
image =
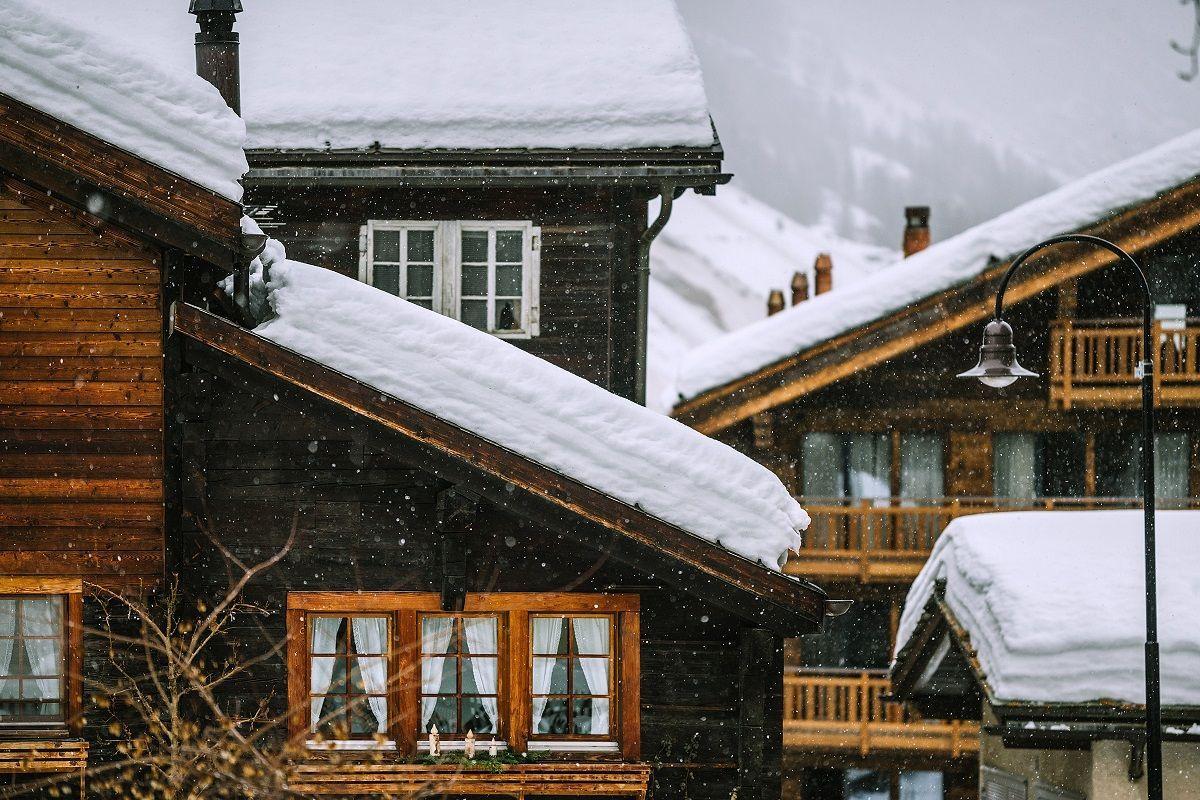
(480, 634)
(822, 465)
(10, 688)
(387, 246)
(474, 281)
(474, 246)
(508, 280)
(387, 278)
(509, 245)
(553, 718)
(869, 465)
(548, 637)
(591, 635)
(439, 675)
(1014, 465)
(557, 669)
(42, 616)
(921, 469)
(479, 675)
(590, 716)
(474, 313)
(420, 245)
(324, 634)
(420, 281)
(322, 675)
(368, 715)
(508, 315)
(444, 715)
(370, 635)
(43, 688)
(589, 676)
(422, 303)
(475, 716)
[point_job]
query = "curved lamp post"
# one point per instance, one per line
(998, 367)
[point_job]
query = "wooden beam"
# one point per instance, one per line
(797, 596)
(1136, 229)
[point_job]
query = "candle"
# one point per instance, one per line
(469, 747)
(492, 748)
(435, 746)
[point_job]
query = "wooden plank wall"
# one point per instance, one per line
(81, 390)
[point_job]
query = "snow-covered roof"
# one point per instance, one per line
(413, 74)
(714, 265)
(1053, 602)
(940, 267)
(500, 393)
(168, 117)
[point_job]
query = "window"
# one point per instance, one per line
(551, 671)
(348, 676)
(1119, 465)
(40, 652)
(1030, 465)
(572, 676)
(484, 274)
(847, 466)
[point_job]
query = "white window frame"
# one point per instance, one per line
(447, 273)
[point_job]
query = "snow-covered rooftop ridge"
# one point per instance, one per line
(716, 262)
(1054, 604)
(170, 118)
(414, 74)
(491, 388)
(941, 266)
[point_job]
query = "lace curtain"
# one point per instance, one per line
(592, 636)
(370, 636)
(480, 633)
(435, 641)
(1014, 465)
(547, 633)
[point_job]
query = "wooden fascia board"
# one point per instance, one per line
(1136, 229)
(140, 195)
(806, 600)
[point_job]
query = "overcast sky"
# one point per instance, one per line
(844, 111)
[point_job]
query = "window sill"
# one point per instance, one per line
(352, 745)
(458, 745)
(573, 746)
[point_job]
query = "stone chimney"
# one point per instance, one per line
(217, 47)
(823, 270)
(799, 288)
(916, 229)
(774, 302)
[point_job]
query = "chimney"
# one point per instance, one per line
(824, 273)
(217, 47)
(774, 302)
(799, 288)
(916, 229)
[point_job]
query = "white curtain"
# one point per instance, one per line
(1014, 465)
(1171, 466)
(547, 632)
(921, 466)
(821, 460)
(43, 617)
(324, 640)
(8, 628)
(370, 636)
(435, 640)
(481, 638)
(869, 466)
(592, 636)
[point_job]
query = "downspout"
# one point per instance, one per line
(667, 193)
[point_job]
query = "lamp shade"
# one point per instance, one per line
(997, 365)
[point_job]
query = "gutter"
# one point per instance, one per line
(641, 336)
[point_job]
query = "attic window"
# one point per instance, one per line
(484, 274)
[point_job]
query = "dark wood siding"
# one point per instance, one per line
(585, 243)
(80, 398)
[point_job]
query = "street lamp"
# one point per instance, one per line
(998, 367)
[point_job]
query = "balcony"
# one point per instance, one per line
(886, 541)
(1093, 364)
(844, 713)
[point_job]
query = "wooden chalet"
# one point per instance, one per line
(421, 575)
(884, 446)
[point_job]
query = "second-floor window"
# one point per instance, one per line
(484, 274)
(861, 466)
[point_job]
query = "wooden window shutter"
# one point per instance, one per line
(996, 784)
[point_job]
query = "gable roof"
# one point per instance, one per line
(1137, 203)
(170, 118)
(416, 75)
(1036, 629)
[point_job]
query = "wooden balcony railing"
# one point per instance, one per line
(1094, 363)
(887, 540)
(844, 711)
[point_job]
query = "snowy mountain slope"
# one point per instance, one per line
(842, 113)
(714, 264)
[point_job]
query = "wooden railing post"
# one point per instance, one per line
(1070, 360)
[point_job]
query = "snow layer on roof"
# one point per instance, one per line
(941, 266)
(1054, 605)
(489, 387)
(170, 118)
(716, 262)
(452, 73)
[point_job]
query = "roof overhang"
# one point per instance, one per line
(792, 606)
(116, 186)
(1135, 229)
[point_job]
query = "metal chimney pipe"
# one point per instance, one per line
(217, 47)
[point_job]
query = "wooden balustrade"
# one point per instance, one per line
(1094, 363)
(846, 711)
(887, 540)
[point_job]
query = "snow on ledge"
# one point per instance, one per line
(1054, 605)
(940, 267)
(493, 389)
(173, 119)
